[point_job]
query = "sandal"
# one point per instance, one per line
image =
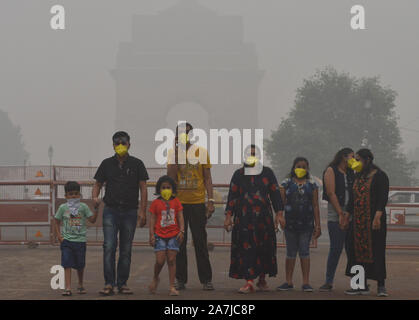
(262, 286)
(125, 290)
(67, 293)
(107, 291)
(248, 288)
(81, 290)
(173, 292)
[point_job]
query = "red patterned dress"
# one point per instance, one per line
(365, 246)
(253, 239)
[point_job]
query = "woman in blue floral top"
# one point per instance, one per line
(302, 220)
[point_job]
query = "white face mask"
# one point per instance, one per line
(74, 205)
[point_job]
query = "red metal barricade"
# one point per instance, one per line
(29, 198)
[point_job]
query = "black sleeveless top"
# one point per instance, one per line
(340, 185)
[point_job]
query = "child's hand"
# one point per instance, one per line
(152, 240)
(179, 237)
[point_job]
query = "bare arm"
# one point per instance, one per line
(95, 193)
(181, 221)
(208, 182)
(144, 196)
(317, 227)
(152, 223)
(142, 215)
(57, 229)
(316, 208)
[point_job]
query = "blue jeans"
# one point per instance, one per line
(298, 242)
(124, 222)
(337, 241)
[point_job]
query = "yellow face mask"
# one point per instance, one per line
(300, 172)
(121, 150)
(166, 194)
(251, 160)
(356, 166)
(183, 138)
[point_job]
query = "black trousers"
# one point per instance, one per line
(194, 216)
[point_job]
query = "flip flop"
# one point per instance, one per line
(173, 292)
(125, 290)
(107, 291)
(81, 290)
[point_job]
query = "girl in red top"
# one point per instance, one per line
(166, 230)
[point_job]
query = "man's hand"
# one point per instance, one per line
(152, 240)
(142, 219)
(60, 238)
(210, 209)
(179, 237)
(228, 223)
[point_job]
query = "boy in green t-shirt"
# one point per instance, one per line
(73, 216)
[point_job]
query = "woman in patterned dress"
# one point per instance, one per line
(253, 190)
(366, 242)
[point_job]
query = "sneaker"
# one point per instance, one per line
(208, 286)
(179, 285)
(382, 292)
(285, 287)
(307, 288)
(326, 287)
(358, 292)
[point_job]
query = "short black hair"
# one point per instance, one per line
(162, 179)
(71, 186)
(120, 134)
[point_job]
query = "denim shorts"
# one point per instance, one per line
(73, 254)
(298, 242)
(163, 244)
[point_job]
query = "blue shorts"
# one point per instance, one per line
(73, 254)
(163, 244)
(298, 242)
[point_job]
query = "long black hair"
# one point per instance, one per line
(339, 156)
(162, 179)
(368, 157)
(296, 160)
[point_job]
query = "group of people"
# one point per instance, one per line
(257, 206)
(356, 191)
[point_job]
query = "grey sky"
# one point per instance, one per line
(57, 85)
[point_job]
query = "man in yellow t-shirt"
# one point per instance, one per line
(190, 167)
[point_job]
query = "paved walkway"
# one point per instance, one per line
(25, 274)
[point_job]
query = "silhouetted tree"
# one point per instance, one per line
(12, 151)
(334, 110)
